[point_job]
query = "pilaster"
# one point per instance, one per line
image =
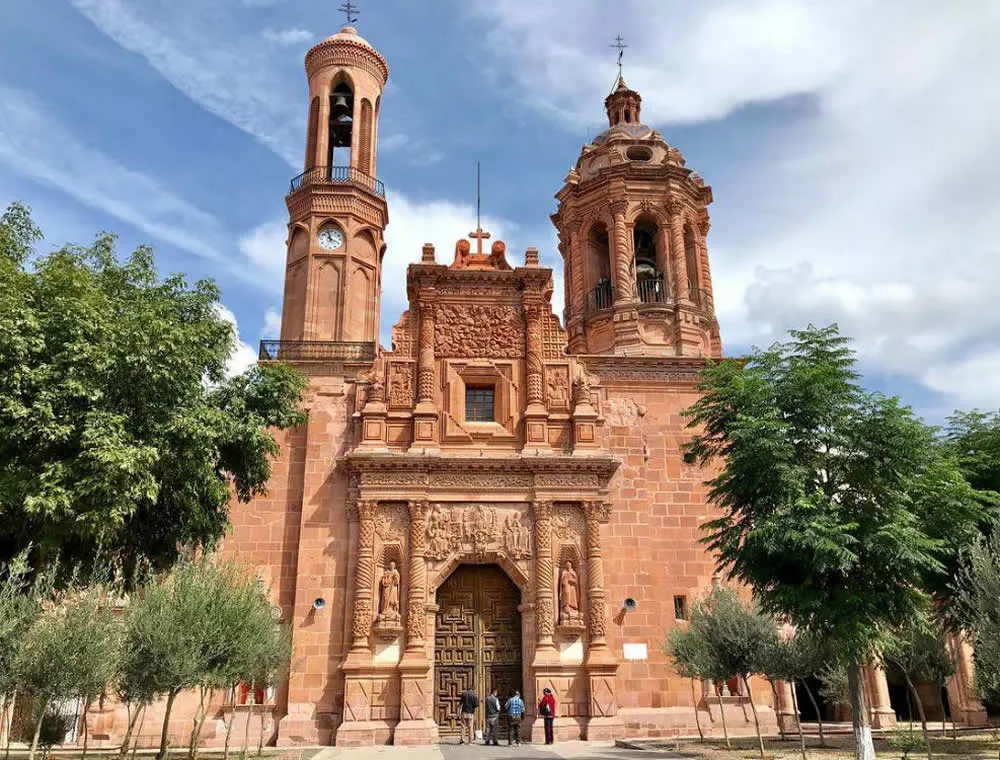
(425, 415)
(603, 722)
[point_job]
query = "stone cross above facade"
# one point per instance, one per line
(479, 235)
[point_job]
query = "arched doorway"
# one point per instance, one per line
(477, 640)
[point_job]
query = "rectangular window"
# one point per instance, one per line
(479, 404)
(680, 608)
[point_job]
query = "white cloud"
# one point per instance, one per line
(28, 135)
(876, 207)
(201, 50)
(293, 36)
(272, 324)
(265, 248)
(244, 355)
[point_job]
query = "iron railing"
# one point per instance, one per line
(315, 351)
(338, 175)
(651, 290)
(600, 298)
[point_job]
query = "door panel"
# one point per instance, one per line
(477, 641)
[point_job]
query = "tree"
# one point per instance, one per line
(687, 650)
(200, 626)
(837, 506)
(977, 591)
(69, 651)
(732, 636)
(974, 438)
(118, 426)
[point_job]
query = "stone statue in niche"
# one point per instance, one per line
(558, 388)
(389, 594)
(569, 596)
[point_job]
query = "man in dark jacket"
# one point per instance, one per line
(492, 718)
(468, 705)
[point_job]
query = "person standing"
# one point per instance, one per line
(547, 709)
(492, 718)
(467, 705)
(515, 713)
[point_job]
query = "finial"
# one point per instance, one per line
(349, 10)
(620, 45)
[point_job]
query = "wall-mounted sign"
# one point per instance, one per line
(635, 652)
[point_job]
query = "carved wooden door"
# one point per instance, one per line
(477, 641)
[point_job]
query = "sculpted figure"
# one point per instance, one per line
(462, 249)
(389, 597)
(569, 595)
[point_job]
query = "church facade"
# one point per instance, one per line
(500, 500)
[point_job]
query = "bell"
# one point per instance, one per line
(340, 107)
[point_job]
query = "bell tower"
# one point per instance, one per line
(632, 223)
(337, 212)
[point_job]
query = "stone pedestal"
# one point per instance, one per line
(299, 726)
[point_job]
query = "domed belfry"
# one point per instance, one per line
(337, 210)
(632, 224)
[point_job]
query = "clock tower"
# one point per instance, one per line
(336, 207)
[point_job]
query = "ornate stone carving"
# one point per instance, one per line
(478, 331)
(557, 384)
(598, 619)
(482, 480)
(416, 624)
(597, 512)
(438, 534)
(568, 523)
(390, 478)
(391, 522)
(425, 372)
(479, 526)
(581, 388)
(364, 574)
(389, 594)
(516, 537)
(543, 570)
(533, 314)
(401, 386)
(581, 480)
(569, 596)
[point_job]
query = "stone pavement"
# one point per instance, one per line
(575, 750)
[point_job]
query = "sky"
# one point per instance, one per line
(851, 147)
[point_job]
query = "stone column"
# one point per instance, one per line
(662, 243)
(621, 252)
(425, 360)
(965, 706)
(323, 130)
(535, 414)
(785, 709)
(677, 254)
(702, 245)
(603, 721)
(544, 622)
(882, 714)
(364, 576)
(416, 614)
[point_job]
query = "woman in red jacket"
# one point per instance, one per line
(547, 709)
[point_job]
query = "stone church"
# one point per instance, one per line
(500, 499)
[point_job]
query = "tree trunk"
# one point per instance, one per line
(777, 712)
(200, 723)
(798, 722)
(7, 718)
(819, 715)
(725, 729)
(246, 736)
(127, 739)
(697, 720)
(38, 730)
(920, 710)
(756, 722)
(229, 725)
(944, 718)
(864, 748)
(86, 733)
(171, 696)
(260, 739)
(138, 731)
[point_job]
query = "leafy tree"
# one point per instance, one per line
(838, 507)
(690, 657)
(978, 604)
(974, 437)
(69, 651)
(118, 426)
(733, 638)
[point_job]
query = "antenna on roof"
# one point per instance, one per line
(479, 194)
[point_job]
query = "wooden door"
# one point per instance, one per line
(477, 641)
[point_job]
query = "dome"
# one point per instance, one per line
(349, 34)
(349, 49)
(629, 132)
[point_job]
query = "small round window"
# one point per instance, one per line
(638, 153)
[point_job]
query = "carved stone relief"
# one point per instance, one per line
(390, 524)
(477, 528)
(568, 523)
(557, 387)
(401, 386)
(477, 331)
(517, 536)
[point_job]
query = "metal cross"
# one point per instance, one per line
(620, 44)
(349, 9)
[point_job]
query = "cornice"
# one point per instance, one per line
(646, 369)
(602, 466)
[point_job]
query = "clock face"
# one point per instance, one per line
(331, 237)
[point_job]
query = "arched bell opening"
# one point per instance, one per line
(341, 127)
(600, 293)
(650, 280)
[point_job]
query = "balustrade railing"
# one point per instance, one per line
(337, 175)
(651, 290)
(600, 298)
(316, 350)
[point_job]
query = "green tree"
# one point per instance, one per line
(977, 590)
(690, 658)
(118, 426)
(733, 637)
(974, 437)
(838, 507)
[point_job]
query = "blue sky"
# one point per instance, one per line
(851, 148)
